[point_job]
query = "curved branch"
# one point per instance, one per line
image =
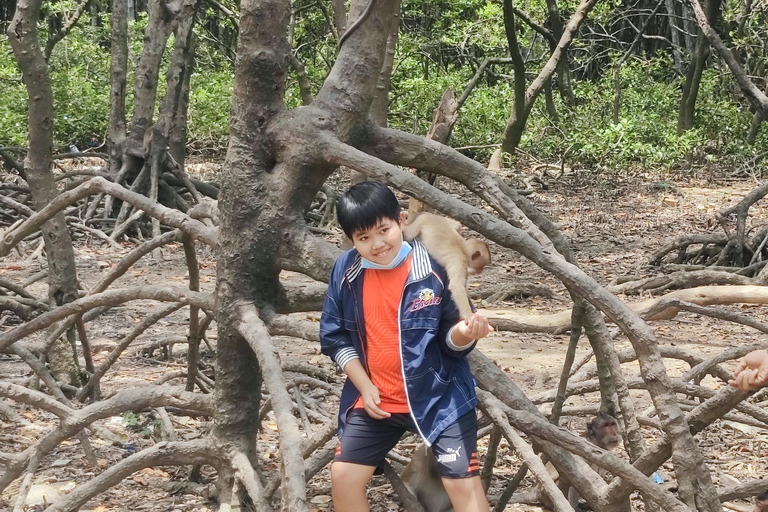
(162, 454)
(127, 400)
(34, 398)
(95, 185)
(254, 331)
(66, 29)
(109, 298)
(535, 464)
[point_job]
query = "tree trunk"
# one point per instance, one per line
(563, 69)
(118, 72)
(517, 120)
(674, 34)
(62, 273)
(177, 137)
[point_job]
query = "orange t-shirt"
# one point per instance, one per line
(382, 291)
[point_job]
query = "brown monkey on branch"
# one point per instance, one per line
(602, 431)
(459, 257)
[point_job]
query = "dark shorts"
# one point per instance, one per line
(367, 441)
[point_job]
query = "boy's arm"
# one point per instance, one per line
(335, 340)
(752, 371)
(368, 392)
(458, 338)
(449, 320)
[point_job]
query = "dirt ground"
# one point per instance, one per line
(614, 225)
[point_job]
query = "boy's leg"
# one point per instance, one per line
(363, 446)
(467, 494)
(455, 450)
(348, 481)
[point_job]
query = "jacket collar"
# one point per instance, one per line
(421, 267)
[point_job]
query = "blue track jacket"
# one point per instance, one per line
(438, 382)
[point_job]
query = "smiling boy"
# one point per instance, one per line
(391, 325)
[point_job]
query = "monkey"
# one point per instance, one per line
(603, 431)
(422, 477)
(761, 502)
(459, 257)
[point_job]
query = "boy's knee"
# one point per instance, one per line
(349, 474)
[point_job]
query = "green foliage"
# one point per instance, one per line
(130, 419)
(209, 105)
(13, 101)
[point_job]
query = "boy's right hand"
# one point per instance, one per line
(371, 401)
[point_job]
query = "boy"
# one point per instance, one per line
(390, 323)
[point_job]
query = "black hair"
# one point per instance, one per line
(362, 207)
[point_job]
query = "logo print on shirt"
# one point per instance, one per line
(426, 298)
(451, 456)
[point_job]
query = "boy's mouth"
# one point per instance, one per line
(382, 254)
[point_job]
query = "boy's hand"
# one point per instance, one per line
(752, 371)
(371, 401)
(477, 327)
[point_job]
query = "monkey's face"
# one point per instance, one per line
(381, 243)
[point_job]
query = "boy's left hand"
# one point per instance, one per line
(477, 327)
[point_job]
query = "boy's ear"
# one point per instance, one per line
(402, 219)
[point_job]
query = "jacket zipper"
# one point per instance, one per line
(402, 362)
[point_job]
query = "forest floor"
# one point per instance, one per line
(614, 224)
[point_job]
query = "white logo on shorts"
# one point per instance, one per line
(451, 456)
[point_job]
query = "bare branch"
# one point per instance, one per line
(539, 427)
(61, 34)
(754, 95)
(109, 298)
(167, 215)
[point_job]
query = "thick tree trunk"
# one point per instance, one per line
(62, 273)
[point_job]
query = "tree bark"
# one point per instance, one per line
(118, 72)
(62, 273)
(687, 111)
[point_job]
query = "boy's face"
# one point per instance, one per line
(381, 243)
